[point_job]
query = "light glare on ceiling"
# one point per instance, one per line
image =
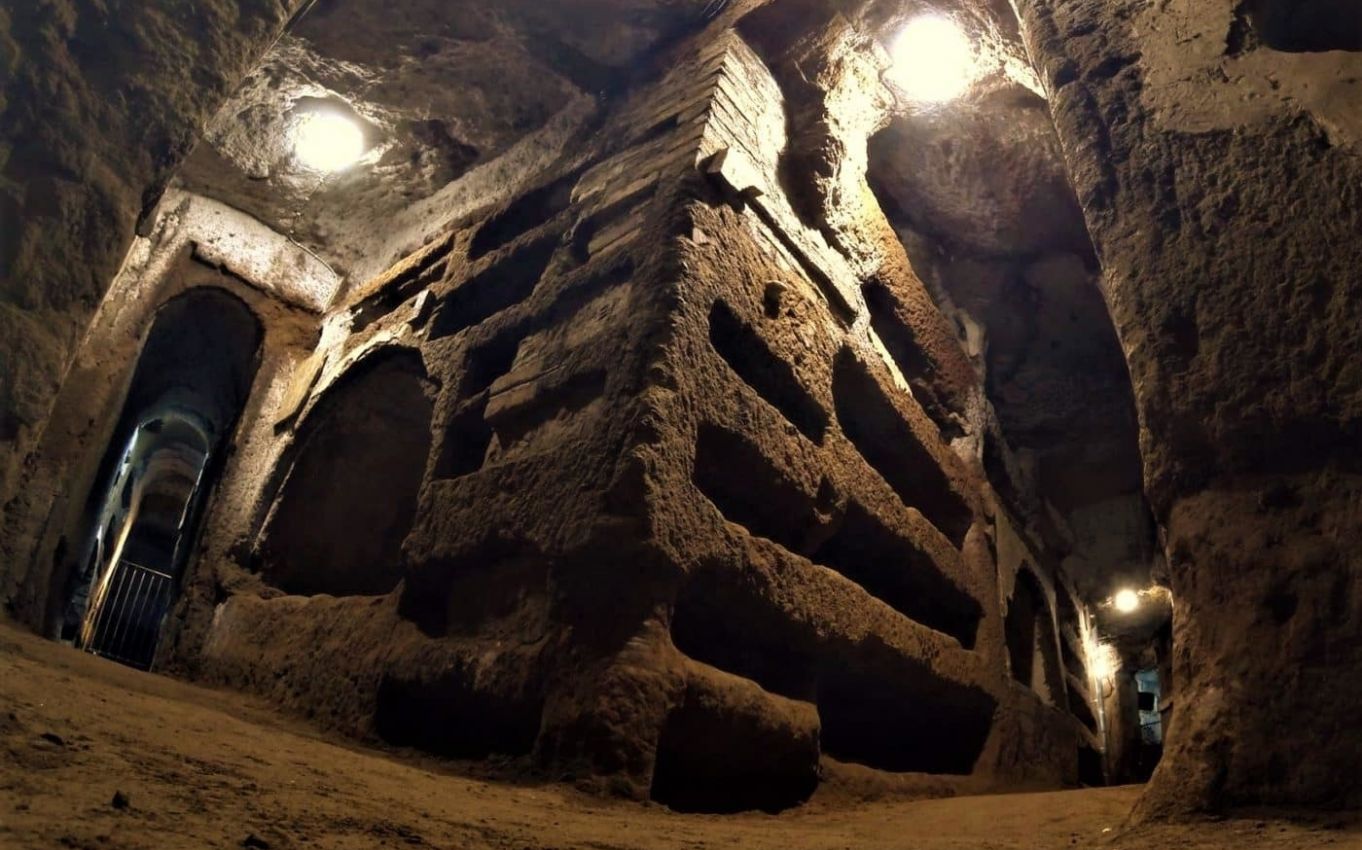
(1127, 601)
(933, 60)
(326, 141)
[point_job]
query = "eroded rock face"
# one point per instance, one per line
(978, 193)
(1220, 180)
(97, 109)
(986, 177)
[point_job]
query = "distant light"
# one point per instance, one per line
(327, 141)
(933, 60)
(1103, 661)
(1127, 601)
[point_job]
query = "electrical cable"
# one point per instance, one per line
(713, 8)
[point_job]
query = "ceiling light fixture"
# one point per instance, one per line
(327, 141)
(933, 60)
(1126, 601)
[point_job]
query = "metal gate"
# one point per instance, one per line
(127, 624)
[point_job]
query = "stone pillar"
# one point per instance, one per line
(1217, 162)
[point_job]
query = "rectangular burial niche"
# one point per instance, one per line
(528, 212)
(876, 707)
(503, 285)
(1070, 634)
(1072, 662)
(720, 757)
(449, 716)
(1080, 709)
(895, 570)
(421, 274)
(750, 491)
(467, 438)
(490, 361)
(748, 488)
(908, 356)
(895, 714)
(720, 620)
(882, 436)
(1030, 634)
(743, 349)
(609, 218)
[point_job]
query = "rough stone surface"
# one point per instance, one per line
(438, 91)
(1220, 177)
(98, 104)
(632, 486)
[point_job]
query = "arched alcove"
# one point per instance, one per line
(349, 495)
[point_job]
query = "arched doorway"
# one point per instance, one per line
(188, 388)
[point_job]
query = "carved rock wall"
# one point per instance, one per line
(99, 102)
(1219, 175)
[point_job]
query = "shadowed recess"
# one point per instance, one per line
(749, 489)
(733, 755)
(773, 379)
(452, 717)
(503, 285)
(531, 210)
(350, 497)
(891, 567)
(889, 445)
(898, 715)
(1030, 631)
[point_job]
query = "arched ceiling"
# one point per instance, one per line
(439, 89)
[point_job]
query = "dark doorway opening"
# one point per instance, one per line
(1299, 26)
(1029, 627)
(187, 391)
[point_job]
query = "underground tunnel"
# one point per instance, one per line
(660, 423)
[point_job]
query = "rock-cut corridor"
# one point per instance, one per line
(761, 422)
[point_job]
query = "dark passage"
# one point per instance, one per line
(186, 394)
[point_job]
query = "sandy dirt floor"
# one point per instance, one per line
(94, 756)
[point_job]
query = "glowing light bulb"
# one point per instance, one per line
(325, 141)
(933, 60)
(1127, 601)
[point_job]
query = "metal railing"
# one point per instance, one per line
(128, 622)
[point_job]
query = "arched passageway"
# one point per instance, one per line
(187, 391)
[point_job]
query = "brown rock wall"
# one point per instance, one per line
(99, 103)
(1219, 177)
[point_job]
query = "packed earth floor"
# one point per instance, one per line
(96, 755)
